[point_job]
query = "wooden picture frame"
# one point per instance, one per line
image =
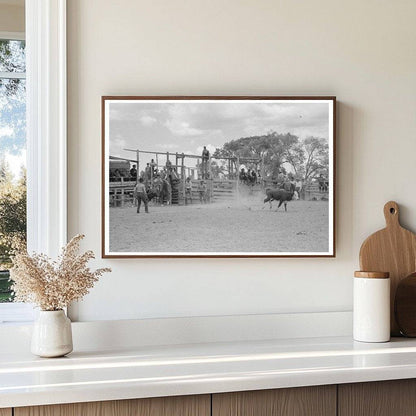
(261, 149)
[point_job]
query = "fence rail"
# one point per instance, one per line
(121, 192)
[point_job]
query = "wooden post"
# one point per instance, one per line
(183, 171)
(211, 188)
(122, 192)
(151, 175)
(138, 167)
(183, 175)
(237, 182)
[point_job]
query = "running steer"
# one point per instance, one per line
(280, 195)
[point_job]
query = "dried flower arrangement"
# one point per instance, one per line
(53, 285)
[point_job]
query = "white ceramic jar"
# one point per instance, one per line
(52, 334)
(371, 313)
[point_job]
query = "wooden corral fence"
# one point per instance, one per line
(224, 188)
(121, 192)
(217, 190)
(311, 192)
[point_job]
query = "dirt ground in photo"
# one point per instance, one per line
(244, 226)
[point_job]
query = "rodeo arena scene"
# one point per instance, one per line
(186, 178)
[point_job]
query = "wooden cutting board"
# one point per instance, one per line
(393, 250)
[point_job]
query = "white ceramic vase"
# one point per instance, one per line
(52, 334)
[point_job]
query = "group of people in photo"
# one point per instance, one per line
(158, 184)
(249, 176)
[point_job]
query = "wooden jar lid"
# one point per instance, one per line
(372, 275)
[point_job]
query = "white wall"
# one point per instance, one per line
(361, 51)
(12, 18)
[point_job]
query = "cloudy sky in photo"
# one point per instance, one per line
(188, 126)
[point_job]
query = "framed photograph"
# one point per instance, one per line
(218, 176)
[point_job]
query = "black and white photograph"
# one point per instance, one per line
(218, 176)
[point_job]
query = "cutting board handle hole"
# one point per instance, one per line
(392, 211)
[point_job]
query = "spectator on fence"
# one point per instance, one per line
(243, 176)
(148, 171)
(140, 194)
(117, 175)
(173, 174)
(168, 166)
(133, 173)
(248, 174)
(205, 160)
(153, 166)
(253, 177)
(322, 183)
(202, 191)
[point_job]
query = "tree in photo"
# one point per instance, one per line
(317, 157)
(273, 149)
(282, 153)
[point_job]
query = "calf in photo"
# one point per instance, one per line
(280, 195)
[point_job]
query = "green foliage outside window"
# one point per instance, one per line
(12, 223)
(12, 145)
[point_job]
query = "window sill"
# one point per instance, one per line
(16, 313)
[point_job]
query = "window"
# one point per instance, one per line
(45, 90)
(12, 153)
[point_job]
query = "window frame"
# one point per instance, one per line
(46, 135)
(12, 35)
(14, 312)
